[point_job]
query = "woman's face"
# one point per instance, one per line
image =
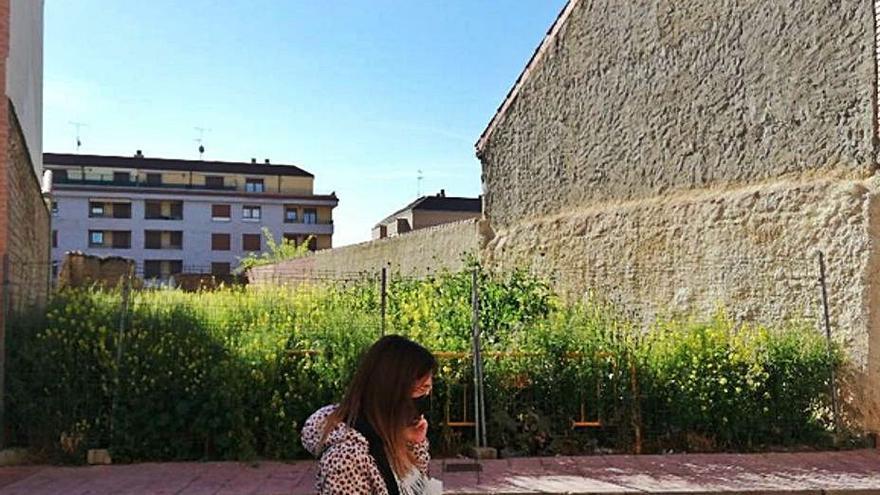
(423, 386)
(418, 430)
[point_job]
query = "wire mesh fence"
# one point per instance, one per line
(576, 360)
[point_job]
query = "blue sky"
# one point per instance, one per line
(362, 94)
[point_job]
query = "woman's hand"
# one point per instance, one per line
(417, 432)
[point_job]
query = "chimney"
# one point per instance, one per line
(267, 161)
(253, 160)
(139, 154)
(442, 193)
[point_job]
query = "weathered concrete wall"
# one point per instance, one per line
(416, 253)
(635, 99)
(677, 154)
(24, 75)
(753, 250)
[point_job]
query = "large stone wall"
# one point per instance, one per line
(751, 250)
(634, 99)
(417, 253)
(674, 155)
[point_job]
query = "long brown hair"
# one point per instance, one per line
(381, 394)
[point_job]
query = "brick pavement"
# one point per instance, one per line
(802, 473)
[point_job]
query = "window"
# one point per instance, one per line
(310, 215)
(291, 238)
(152, 268)
(214, 182)
(123, 178)
(96, 210)
(152, 239)
(152, 209)
(290, 214)
(251, 212)
(250, 242)
(162, 268)
(55, 269)
(221, 212)
(175, 267)
(220, 242)
(54, 207)
(176, 239)
(96, 238)
(121, 239)
(59, 176)
(254, 185)
(168, 210)
(121, 210)
(154, 179)
(220, 269)
(54, 238)
(176, 210)
(313, 244)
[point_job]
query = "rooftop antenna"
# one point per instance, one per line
(419, 184)
(200, 139)
(77, 125)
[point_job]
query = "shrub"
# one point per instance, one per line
(232, 374)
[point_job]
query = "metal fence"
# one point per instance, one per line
(523, 401)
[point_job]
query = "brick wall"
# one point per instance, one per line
(28, 236)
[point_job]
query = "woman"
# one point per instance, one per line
(374, 442)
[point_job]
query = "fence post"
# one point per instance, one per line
(479, 398)
(123, 312)
(827, 321)
(637, 405)
(384, 297)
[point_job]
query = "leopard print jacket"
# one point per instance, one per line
(345, 465)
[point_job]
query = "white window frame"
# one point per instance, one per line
(255, 185)
(247, 213)
(308, 215)
(92, 235)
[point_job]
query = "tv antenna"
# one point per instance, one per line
(200, 139)
(77, 125)
(419, 179)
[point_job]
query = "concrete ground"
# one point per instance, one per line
(802, 473)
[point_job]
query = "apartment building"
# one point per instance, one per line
(181, 216)
(428, 211)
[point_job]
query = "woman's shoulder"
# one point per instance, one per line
(312, 434)
(340, 441)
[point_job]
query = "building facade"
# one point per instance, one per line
(24, 216)
(427, 211)
(182, 216)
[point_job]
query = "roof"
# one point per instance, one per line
(439, 203)
(538, 54)
(143, 163)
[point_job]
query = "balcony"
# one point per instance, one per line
(322, 227)
(110, 182)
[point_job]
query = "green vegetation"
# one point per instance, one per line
(232, 374)
(275, 252)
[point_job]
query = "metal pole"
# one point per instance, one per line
(475, 332)
(827, 320)
(384, 296)
(124, 305)
(479, 396)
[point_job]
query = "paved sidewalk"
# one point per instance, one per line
(804, 473)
